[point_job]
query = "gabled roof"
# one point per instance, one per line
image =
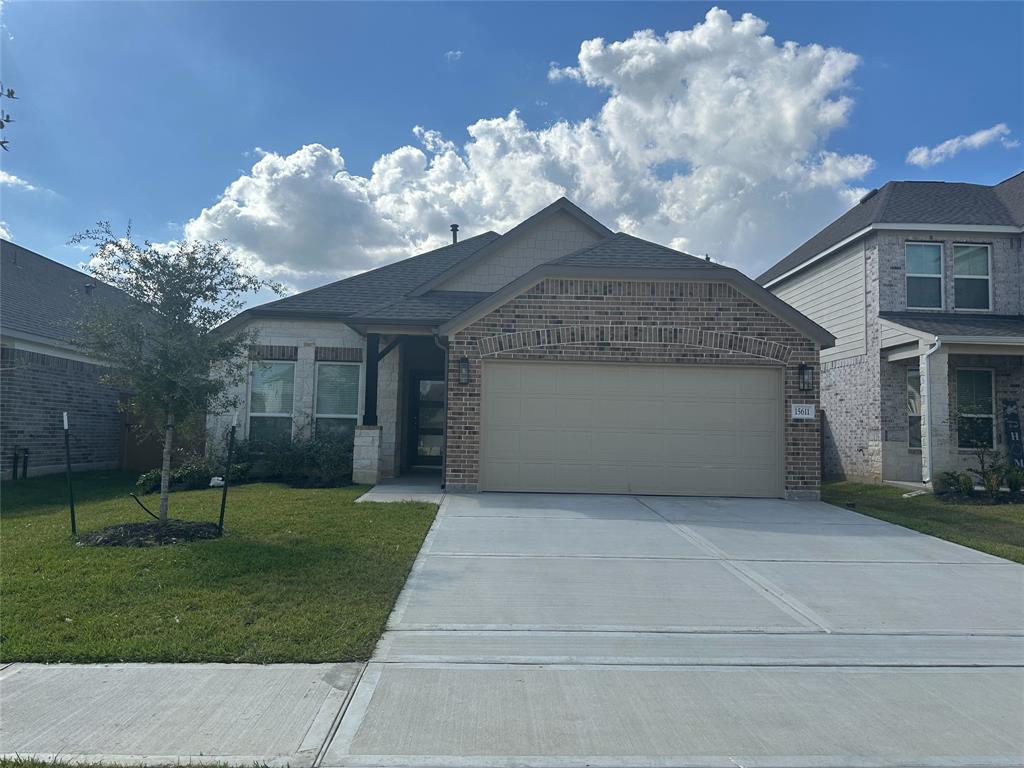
(369, 292)
(44, 300)
(936, 203)
(959, 324)
(622, 250)
(561, 205)
(623, 256)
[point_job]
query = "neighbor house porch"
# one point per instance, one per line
(950, 386)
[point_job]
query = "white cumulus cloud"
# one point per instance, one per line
(452, 55)
(10, 180)
(713, 139)
(925, 157)
(5, 231)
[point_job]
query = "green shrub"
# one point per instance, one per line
(947, 482)
(148, 482)
(192, 475)
(966, 483)
(315, 462)
(1015, 480)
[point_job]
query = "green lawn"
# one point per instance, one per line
(994, 528)
(303, 575)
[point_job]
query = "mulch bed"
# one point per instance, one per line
(153, 534)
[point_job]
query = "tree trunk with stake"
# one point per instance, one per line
(165, 469)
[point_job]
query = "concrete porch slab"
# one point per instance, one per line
(169, 713)
(502, 715)
(416, 487)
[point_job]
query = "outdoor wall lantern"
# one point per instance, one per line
(463, 370)
(806, 377)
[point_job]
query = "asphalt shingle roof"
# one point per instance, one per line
(622, 250)
(959, 324)
(433, 306)
(916, 202)
(368, 293)
(43, 298)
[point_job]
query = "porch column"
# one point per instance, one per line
(370, 384)
(366, 448)
(936, 443)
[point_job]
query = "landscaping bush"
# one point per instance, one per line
(947, 482)
(1014, 480)
(966, 483)
(320, 462)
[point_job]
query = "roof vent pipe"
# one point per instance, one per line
(88, 289)
(455, 233)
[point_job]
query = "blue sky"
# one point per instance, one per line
(150, 111)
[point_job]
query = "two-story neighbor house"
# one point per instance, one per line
(922, 284)
(559, 356)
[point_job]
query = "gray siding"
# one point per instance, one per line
(832, 294)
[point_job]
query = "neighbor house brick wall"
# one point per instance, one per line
(35, 389)
(729, 328)
(1007, 268)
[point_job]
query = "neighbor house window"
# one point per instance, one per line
(971, 279)
(914, 406)
(924, 275)
(337, 400)
(270, 401)
(975, 402)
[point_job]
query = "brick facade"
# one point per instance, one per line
(35, 389)
(631, 321)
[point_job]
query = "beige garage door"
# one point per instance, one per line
(659, 429)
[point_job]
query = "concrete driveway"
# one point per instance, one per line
(557, 630)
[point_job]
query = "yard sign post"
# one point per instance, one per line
(71, 492)
(227, 474)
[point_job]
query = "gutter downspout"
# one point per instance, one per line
(444, 433)
(928, 391)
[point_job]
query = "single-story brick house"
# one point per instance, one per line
(559, 356)
(43, 374)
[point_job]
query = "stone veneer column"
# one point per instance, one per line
(303, 408)
(936, 448)
(366, 464)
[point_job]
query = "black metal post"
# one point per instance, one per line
(370, 383)
(227, 479)
(24, 463)
(71, 491)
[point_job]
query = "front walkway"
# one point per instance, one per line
(552, 630)
(421, 486)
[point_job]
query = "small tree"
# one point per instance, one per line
(159, 341)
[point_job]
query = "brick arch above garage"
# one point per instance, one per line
(717, 324)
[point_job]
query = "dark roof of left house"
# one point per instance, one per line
(44, 299)
(915, 202)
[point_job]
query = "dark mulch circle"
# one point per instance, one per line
(153, 534)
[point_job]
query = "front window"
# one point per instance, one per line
(975, 400)
(971, 277)
(924, 275)
(914, 406)
(270, 401)
(337, 400)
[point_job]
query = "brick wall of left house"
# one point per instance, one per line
(35, 389)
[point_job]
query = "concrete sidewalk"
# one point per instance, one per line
(240, 714)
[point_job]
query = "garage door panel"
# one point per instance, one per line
(667, 429)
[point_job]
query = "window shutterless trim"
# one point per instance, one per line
(940, 276)
(988, 277)
(992, 380)
(268, 415)
(316, 388)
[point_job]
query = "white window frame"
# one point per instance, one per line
(941, 276)
(992, 378)
(248, 403)
(920, 416)
(359, 394)
(988, 277)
